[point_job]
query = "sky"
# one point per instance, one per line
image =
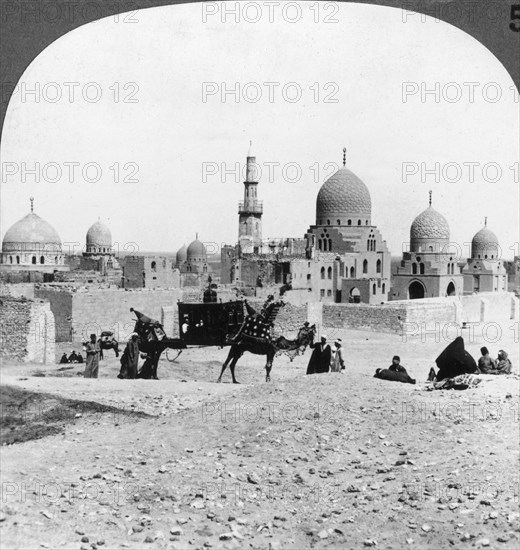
(136, 114)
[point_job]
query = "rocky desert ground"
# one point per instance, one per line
(324, 461)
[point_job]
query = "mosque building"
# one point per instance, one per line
(31, 250)
(99, 252)
(342, 258)
(485, 271)
(428, 269)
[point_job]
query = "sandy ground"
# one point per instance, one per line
(325, 461)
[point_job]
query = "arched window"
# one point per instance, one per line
(329, 273)
(366, 222)
(322, 272)
(430, 248)
(359, 222)
(373, 289)
(352, 273)
(153, 266)
(18, 259)
(330, 244)
(42, 259)
(55, 259)
(11, 259)
(365, 266)
(421, 266)
(383, 288)
(33, 260)
(319, 244)
(448, 269)
(349, 222)
(414, 268)
(378, 266)
(325, 245)
(328, 222)
(339, 222)
(368, 244)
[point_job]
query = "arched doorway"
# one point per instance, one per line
(450, 291)
(415, 291)
(354, 296)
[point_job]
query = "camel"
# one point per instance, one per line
(108, 343)
(270, 349)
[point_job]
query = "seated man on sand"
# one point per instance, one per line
(395, 372)
(486, 364)
(396, 364)
(504, 365)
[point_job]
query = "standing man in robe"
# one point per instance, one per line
(92, 366)
(320, 358)
(132, 356)
(338, 360)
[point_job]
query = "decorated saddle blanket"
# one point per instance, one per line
(256, 328)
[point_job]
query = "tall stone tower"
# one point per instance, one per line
(250, 210)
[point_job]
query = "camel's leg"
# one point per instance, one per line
(228, 359)
(269, 366)
(232, 367)
(116, 349)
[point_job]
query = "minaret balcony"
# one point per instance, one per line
(253, 207)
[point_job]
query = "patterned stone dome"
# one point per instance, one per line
(182, 255)
(30, 230)
(430, 225)
(484, 243)
(343, 195)
(196, 251)
(99, 235)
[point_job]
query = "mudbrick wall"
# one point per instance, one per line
(95, 311)
(385, 318)
(26, 330)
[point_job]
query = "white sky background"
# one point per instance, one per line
(169, 133)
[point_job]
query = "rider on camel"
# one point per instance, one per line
(262, 318)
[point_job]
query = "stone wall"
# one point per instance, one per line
(60, 301)
(17, 290)
(26, 330)
(95, 311)
(384, 318)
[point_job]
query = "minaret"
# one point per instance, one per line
(250, 210)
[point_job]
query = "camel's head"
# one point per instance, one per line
(306, 334)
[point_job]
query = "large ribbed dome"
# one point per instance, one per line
(196, 251)
(484, 243)
(182, 255)
(430, 224)
(343, 195)
(99, 235)
(28, 231)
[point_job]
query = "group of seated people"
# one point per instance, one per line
(452, 362)
(72, 358)
(488, 365)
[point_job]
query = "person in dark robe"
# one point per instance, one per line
(394, 375)
(64, 359)
(80, 358)
(320, 358)
(130, 358)
(73, 358)
(92, 366)
(486, 364)
(396, 364)
(455, 360)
